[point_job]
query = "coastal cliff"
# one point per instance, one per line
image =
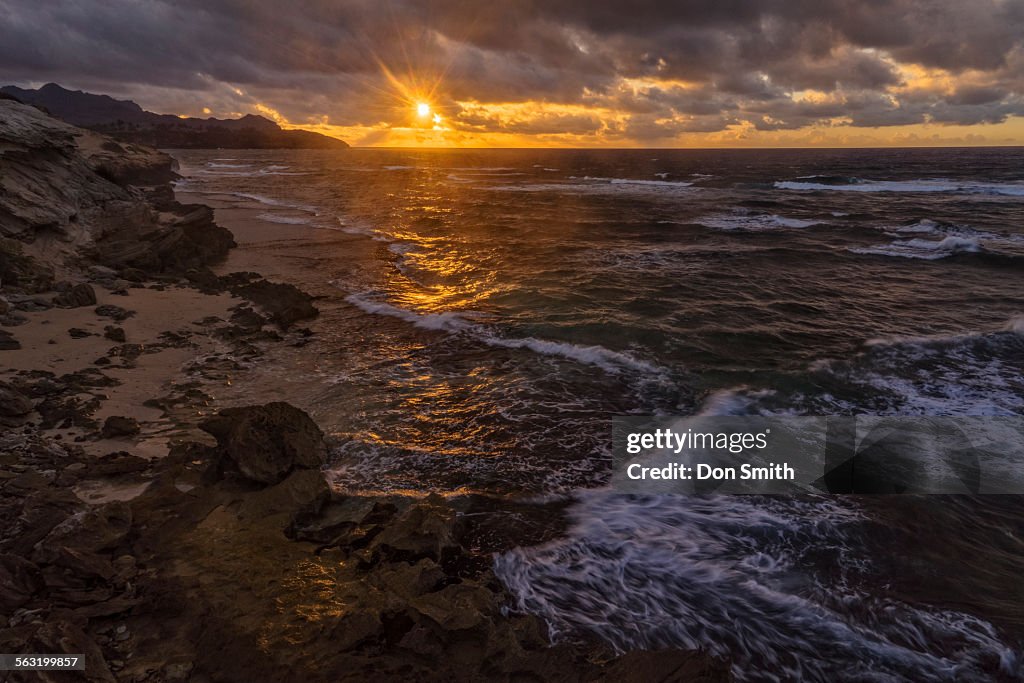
(168, 537)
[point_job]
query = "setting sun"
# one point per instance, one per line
(423, 109)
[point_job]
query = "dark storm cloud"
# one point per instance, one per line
(741, 60)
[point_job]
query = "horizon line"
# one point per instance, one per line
(683, 149)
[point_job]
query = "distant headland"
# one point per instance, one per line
(128, 122)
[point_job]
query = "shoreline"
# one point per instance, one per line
(166, 528)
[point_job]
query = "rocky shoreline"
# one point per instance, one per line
(169, 540)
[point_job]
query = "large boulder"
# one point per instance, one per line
(13, 403)
(285, 304)
(117, 426)
(266, 443)
(81, 294)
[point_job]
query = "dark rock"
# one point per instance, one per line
(61, 636)
(301, 490)
(80, 295)
(205, 280)
(19, 581)
(133, 275)
(102, 360)
(8, 342)
(67, 411)
(35, 517)
(102, 273)
(348, 520)
(129, 352)
(87, 377)
(79, 333)
(114, 333)
(265, 443)
(427, 529)
(248, 319)
(457, 607)
(119, 463)
(117, 426)
(188, 240)
(41, 383)
(13, 403)
(284, 303)
(409, 580)
(356, 627)
(666, 666)
(93, 530)
(30, 304)
(174, 339)
(20, 270)
(115, 312)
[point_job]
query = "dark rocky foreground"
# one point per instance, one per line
(239, 562)
(230, 558)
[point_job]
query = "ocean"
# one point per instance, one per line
(489, 311)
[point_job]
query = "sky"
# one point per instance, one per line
(549, 73)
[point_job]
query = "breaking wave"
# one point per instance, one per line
(772, 584)
(951, 239)
(838, 184)
(924, 249)
(969, 374)
(454, 322)
(753, 222)
(278, 218)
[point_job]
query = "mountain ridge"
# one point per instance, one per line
(129, 122)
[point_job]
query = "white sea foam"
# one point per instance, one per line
(735, 401)
(279, 218)
(972, 373)
(924, 249)
(270, 201)
(926, 225)
(227, 174)
(741, 578)
(212, 164)
(488, 174)
(448, 321)
(610, 361)
(401, 248)
(482, 168)
(950, 239)
(599, 186)
(606, 359)
(635, 181)
(361, 229)
(936, 185)
(753, 222)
